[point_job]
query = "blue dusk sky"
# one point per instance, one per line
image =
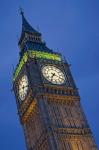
(72, 27)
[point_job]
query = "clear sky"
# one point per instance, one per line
(72, 27)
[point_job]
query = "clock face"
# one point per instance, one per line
(53, 74)
(23, 87)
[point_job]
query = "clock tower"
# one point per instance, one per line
(47, 98)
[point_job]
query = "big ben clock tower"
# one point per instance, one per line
(47, 98)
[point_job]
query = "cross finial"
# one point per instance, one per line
(21, 11)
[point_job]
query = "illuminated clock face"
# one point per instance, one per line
(23, 87)
(53, 74)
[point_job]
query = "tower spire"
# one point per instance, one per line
(26, 27)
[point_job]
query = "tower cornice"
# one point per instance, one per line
(32, 54)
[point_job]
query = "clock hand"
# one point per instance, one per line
(53, 74)
(57, 76)
(24, 87)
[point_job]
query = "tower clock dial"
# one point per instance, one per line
(23, 87)
(53, 74)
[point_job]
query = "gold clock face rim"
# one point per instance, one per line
(53, 74)
(23, 87)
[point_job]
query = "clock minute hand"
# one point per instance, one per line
(58, 76)
(53, 74)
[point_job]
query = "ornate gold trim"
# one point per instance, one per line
(73, 131)
(59, 98)
(30, 110)
(58, 87)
